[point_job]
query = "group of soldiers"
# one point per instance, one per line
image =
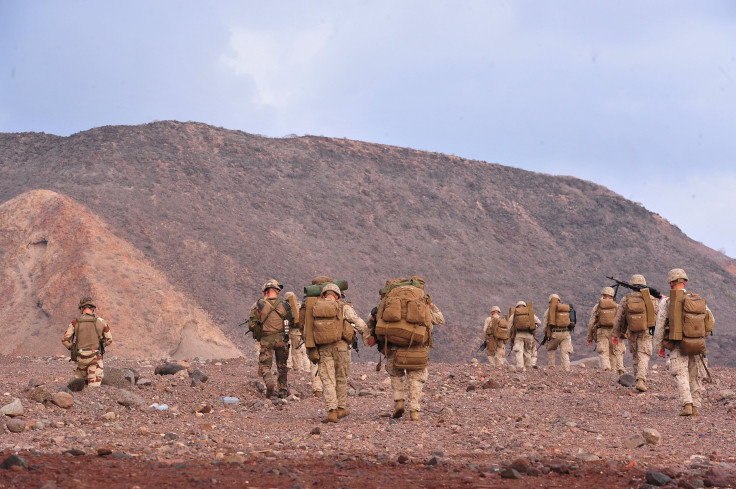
(639, 317)
(323, 327)
(330, 355)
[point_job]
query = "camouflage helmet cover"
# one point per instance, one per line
(272, 284)
(87, 302)
(608, 291)
(520, 303)
(638, 279)
(553, 296)
(331, 288)
(496, 309)
(675, 274)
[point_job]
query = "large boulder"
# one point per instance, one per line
(13, 409)
(39, 394)
(63, 399)
(122, 378)
(168, 369)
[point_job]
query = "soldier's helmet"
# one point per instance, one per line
(87, 302)
(331, 288)
(520, 303)
(418, 279)
(553, 296)
(638, 279)
(272, 284)
(496, 309)
(675, 274)
(608, 291)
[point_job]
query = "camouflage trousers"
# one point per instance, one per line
(611, 356)
(688, 372)
(640, 344)
(525, 348)
(316, 380)
(334, 368)
(271, 345)
(298, 360)
(496, 356)
(561, 340)
(89, 367)
(415, 380)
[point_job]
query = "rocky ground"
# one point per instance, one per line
(481, 427)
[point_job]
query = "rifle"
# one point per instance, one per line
(702, 361)
(483, 346)
(573, 317)
(247, 321)
(355, 339)
(654, 292)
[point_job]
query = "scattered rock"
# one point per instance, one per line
(727, 394)
(122, 378)
(14, 461)
(109, 416)
(652, 436)
(128, 399)
(315, 431)
(627, 380)
(63, 400)
(39, 394)
(560, 468)
(635, 441)
(490, 384)
(78, 385)
(520, 464)
(143, 382)
(510, 474)
(168, 369)
(33, 383)
(171, 436)
(76, 452)
(104, 451)
(589, 362)
(658, 478)
(402, 459)
(716, 478)
(15, 408)
(16, 425)
(198, 376)
(587, 457)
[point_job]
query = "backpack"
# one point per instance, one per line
(606, 312)
(636, 312)
(559, 314)
(403, 317)
(501, 330)
(524, 317)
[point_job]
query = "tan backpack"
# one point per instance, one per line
(689, 322)
(636, 312)
(524, 317)
(501, 329)
(404, 317)
(559, 314)
(606, 312)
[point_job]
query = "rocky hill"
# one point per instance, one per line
(54, 251)
(218, 212)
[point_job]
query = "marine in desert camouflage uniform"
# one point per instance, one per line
(297, 360)
(525, 345)
(557, 337)
(270, 319)
(611, 356)
(496, 347)
(415, 379)
(88, 332)
(334, 360)
(688, 370)
(640, 342)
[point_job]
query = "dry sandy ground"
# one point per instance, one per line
(556, 429)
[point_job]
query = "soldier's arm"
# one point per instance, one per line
(106, 334)
(545, 322)
(352, 317)
(437, 317)
(68, 335)
(662, 316)
(592, 323)
(619, 329)
(487, 328)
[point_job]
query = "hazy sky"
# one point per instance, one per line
(639, 96)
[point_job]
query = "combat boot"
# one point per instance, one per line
(414, 415)
(331, 416)
(398, 408)
(620, 372)
(342, 412)
(687, 410)
(695, 410)
(640, 386)
(317, 393)
(283, 393)
(270, 387)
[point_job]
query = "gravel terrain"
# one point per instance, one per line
(481, 427)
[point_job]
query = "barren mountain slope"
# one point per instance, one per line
(53, 251)
(221, 211)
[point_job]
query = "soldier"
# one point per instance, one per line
(636, 313)
(600, 329)
(86, 337)
(270, 321)
(297, 360)
(496, 334)
(686, 362)
(557, 332)
(523, 324)
(334, 359)
(416, 375)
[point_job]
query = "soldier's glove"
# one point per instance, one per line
(651, 331)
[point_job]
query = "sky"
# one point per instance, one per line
(638, 96)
